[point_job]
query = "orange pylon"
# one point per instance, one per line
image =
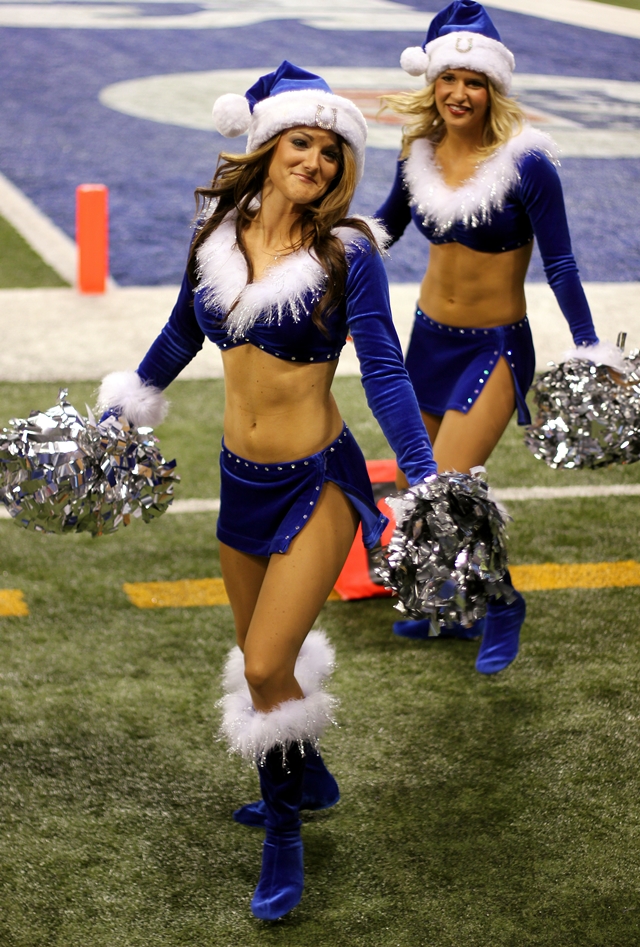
(92, 237)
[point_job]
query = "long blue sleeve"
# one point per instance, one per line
(395, 213)
(386, 383)
(541, 195)
(180, 340)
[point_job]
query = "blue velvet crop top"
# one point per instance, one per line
(514, 195)
(274, 314)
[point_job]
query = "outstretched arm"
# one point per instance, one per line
(386, 383)
(139, 394)
(541, 193)
(395, 213)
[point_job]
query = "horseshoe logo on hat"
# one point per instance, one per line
(330, 125)
(468, 47)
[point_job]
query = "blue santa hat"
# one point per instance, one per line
(462, 36)
(288, 97)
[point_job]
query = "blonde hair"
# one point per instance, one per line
(504, 118)
(238, 180)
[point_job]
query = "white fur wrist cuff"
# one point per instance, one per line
(602, 353)
(143, 405)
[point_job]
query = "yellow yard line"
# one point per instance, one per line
(182, 594)
(187, 593)
(12, 603)
(585, 575)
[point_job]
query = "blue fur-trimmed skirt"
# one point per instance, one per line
(263, 507)
(449, 366)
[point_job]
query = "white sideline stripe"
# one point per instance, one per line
(506, 494)
(61, 335)
(194, 506)
(46, 238)
(561, 493)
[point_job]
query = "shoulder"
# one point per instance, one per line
(355, 242)
(529, 148)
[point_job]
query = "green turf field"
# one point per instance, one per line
(20, 267)
(476, 812)
(633, 4)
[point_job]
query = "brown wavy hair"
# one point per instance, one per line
(238, 181)
(504, 118)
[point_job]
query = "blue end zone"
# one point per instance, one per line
(56, 133)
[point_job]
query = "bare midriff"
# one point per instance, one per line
(277, 410)
(466, 288)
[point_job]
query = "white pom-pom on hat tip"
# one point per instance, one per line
(414, 60)
(231, 115)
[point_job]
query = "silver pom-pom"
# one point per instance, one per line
(61, 472)
(588, 415)
(447, 555)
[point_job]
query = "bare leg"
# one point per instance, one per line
(282, 600)
(467, 440)
(243, 576)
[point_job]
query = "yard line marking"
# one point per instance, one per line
(561, 493)
(185, 593)
(505, 494)
(584, 575)
(190, 593)
(194, 506)
(12, 603)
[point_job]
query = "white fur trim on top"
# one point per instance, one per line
(310, 108)
(462, 50)
(142, 405)
(471, 203)
(222, 272)
(285, 288)
(601, 353)
(231, 115)
(314, 664)
(352, 238)
(253, 733)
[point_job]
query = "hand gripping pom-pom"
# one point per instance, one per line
(414, 60)
(588, 415)
(63, 473)
(231, 115)
(447, 556)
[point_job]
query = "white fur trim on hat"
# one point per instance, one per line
(465, 50)
(231, 115)
(311, 108)
(601, 353)
(414, 60)
(143, 405)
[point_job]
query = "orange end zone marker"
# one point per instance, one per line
(92, 237)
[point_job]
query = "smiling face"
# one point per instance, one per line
(305, 162)
(462, 99)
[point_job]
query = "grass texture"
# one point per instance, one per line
(20, 266)
(484, 812)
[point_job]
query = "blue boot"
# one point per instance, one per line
(319, 791)
(501, 634)
(420, 630)
(282, 877)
